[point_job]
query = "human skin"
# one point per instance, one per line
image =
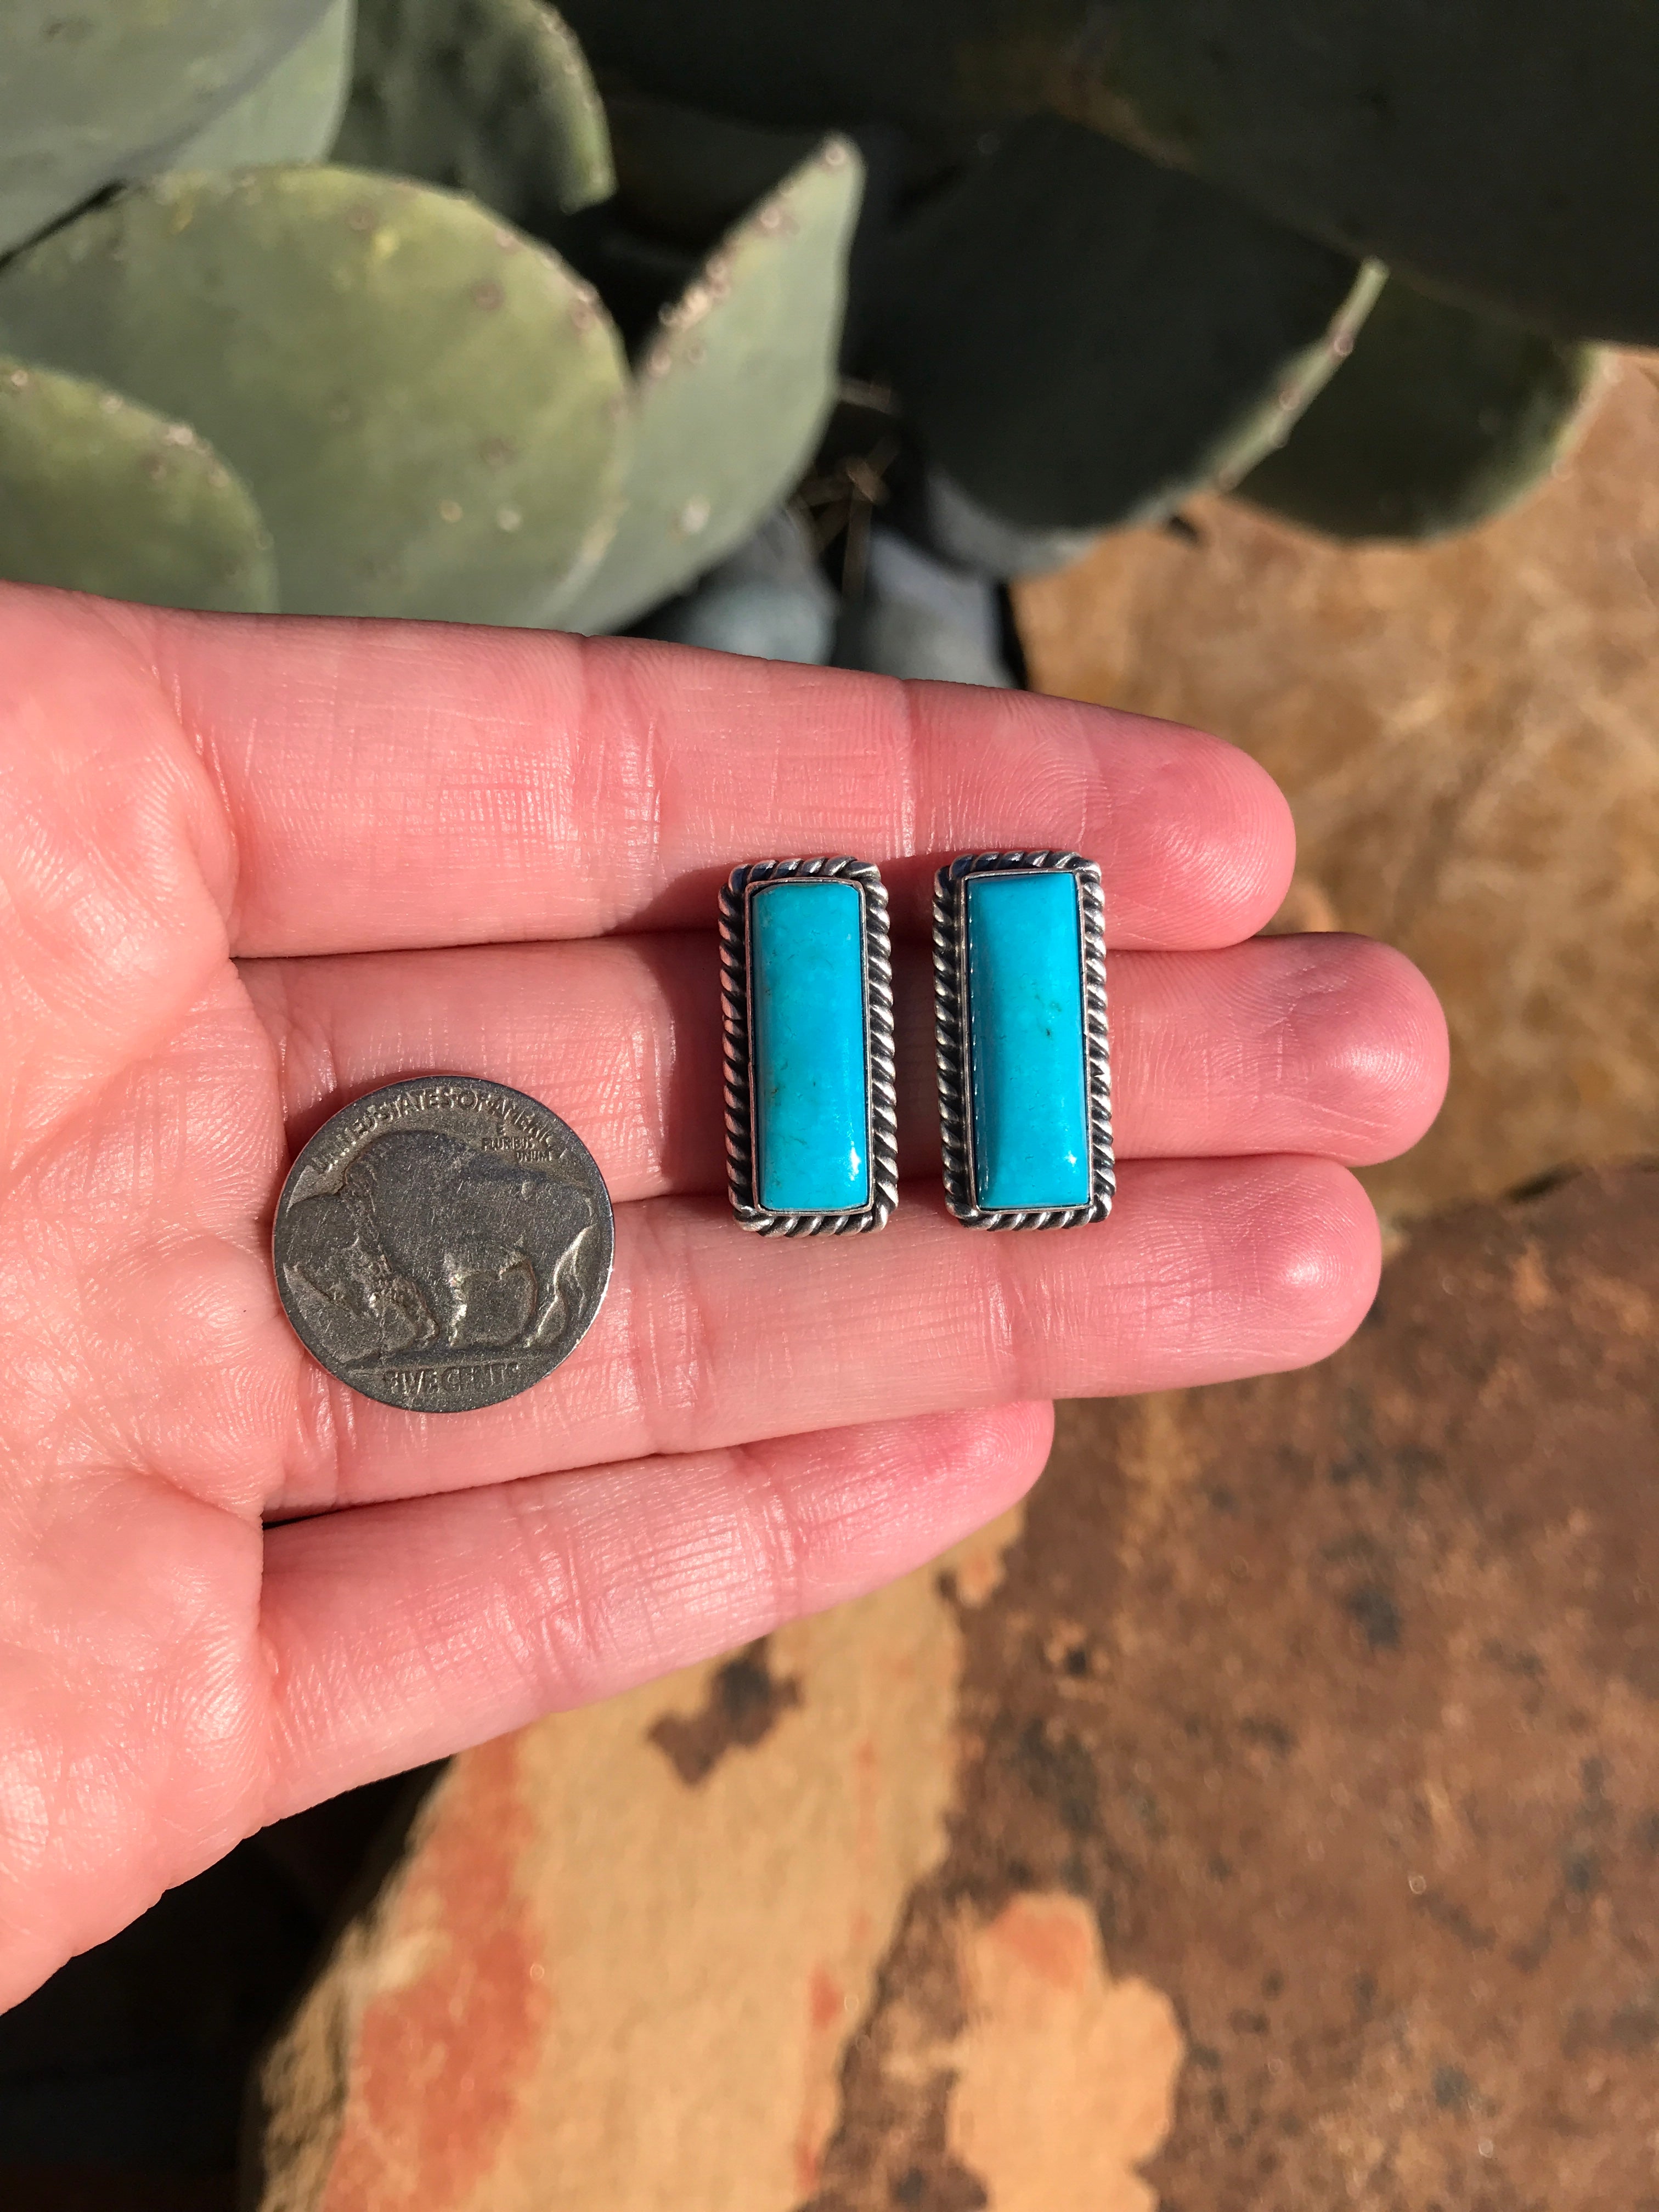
(251, 867)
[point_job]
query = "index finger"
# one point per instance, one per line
(403, 784)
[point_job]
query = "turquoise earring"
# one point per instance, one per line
(807, 984)
(1024, 1069)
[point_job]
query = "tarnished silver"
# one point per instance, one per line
(879, 1085)
(953, 1044)
(443, 1243)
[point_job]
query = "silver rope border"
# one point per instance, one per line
(878, 1049)
(950, 996)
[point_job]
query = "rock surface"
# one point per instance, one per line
(1469, 736)
(619, 1958)
(1333, 1697)
(1275, 1811)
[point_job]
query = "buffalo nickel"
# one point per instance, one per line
(442, 1244)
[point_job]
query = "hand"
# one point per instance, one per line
(250, 868)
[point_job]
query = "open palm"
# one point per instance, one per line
(248, 869)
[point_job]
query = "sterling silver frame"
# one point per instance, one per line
(736, 994)
(954, 1043)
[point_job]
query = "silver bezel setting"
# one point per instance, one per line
(882, 1127)
(954, 1044)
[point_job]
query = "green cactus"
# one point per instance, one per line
(491, 97)
(1082, 339)
(99, 495)
(1503, 149)
(429, 409)
(434, 413)
(108, 90)
(1442, 419)
(732, 391)
(292, 113)
(811, 65)
(936, 512)
(686, 176)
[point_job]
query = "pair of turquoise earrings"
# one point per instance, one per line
(1024, 1071)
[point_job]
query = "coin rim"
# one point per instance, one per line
(418, 1082)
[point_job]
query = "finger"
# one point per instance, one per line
(395, 784)
(1323, 1044)
(709, 1337)
(398, 1633)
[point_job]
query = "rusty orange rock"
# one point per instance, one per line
(1467, 733)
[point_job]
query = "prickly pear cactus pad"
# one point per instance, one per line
(940, 515)
(292, 113)
(99, 495)
(732, 391)
(817, 65)
(428, 409)
(1080, 338)
(1442, 418)
(1503, 147)
(1509, 149)
(93, 93)
(685, 175)
(491, 97)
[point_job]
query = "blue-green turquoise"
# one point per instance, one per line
(1025, 1041)
(811, 1092)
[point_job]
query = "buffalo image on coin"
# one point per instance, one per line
(443, 1245)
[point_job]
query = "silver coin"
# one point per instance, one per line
(443, 1245)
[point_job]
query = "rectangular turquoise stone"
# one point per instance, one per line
(807, 1035)
(1025, 1042)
